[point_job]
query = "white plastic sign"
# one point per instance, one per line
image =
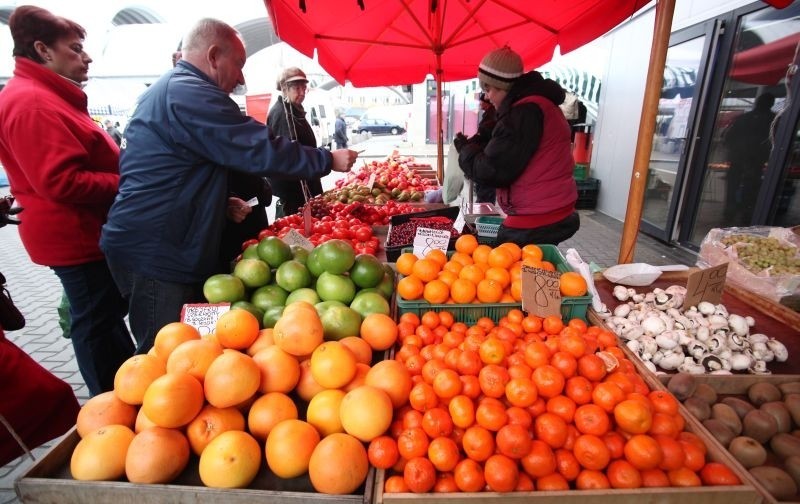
(293, 237)
(428, 239)
(459, 223)
(371, 181)
(203, 316)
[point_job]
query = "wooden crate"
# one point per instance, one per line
(738, 387)
(771, 318)
(49, 481)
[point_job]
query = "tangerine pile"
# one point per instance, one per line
(475, 273)
(225, 398)
(531, 404)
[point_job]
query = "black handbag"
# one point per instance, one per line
(11, 319)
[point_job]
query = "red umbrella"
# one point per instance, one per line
(765, 64)
(393, 42)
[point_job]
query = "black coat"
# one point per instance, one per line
(289, 190)
(515, 136)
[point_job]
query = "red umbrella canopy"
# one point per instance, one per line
(393, 42)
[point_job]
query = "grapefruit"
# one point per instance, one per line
(336, 256)
(223, 288)
(274, 251)
(252, 272)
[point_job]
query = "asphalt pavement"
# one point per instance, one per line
(37, 291)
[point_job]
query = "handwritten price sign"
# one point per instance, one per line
(295, 238)
(203, 316)
(428, 239)
(706, 285)
(541, 293)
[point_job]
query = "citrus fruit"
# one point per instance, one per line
(306, 294)
(292, 275)
(223, 288)
(323, 411)
(257, 312)
(333, 365)
(366, 412)
(335, 287)
(340, 322)
(231, 460)
(156, 455)
(252, 272)
(370, 302)
(100, 455)
(367, 271)
(289, 447)
(350, 469)
(271, 316)
(210, 423)
(269, 296)
(274, 251)
(335, 256)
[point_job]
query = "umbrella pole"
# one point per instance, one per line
(647, 126)
(439, 132)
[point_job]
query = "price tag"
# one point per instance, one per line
(252, 202)
(706, 285)
(541, 294)
(308, 220)
(203, 316)
(371, 181)
(459, 223)
(293, 237)
(428, 239)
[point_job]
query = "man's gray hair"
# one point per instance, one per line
(206, 32)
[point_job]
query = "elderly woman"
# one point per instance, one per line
(288, 118)
(63, 170)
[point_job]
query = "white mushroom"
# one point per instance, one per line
(667, 340)
(634, 346)
(778, 349)
(720, 309)
(622, 310)
(711, 362)
(703, 333)
(738, 324)
(737, 343)
(759, 367)
(750, 321)
(691, 367)
(621, 292)
(697, 348)
(652, 367)
(653, 325)
(706, 308)
(671, 360)
(741, 361)
(676, 290)
(717, 343)
(757, 338)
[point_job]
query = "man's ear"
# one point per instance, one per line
(212, 55)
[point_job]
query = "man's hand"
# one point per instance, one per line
(237, 209)
(343, 159)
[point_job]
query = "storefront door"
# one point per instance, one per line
(683, 72)
(744, 161)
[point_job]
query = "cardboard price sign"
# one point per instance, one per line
(203, 316)
(428, 239)
(706, 285)
(541, 291)
(293, 237)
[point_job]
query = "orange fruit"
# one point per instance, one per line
(280, 371)
(489, 291)
(289, 447)
(462, 258)
(463, 291)
(299, 330)
(572, 284)
(359, 347)
(323, 411)
(100, 455)
(452, 266)
(501, 473)
(634, 417)
(532, 251)
(514, 249)
(472, 272)
(499, 275)
(104, 409)
(405, 263)
(481, 253)
(591, 452)
(210, 423)
(410, 288)
(268, 411)
(194, 357)
(359, 379)
(382, 452)
(621, 474)
(350, 469)
(307, 387)
(446, 277)
(466, 243)
(172, 335)
(156, 455)
(436, 292)
(231, 460)
(237, 329)
(379, 330)
(443, 453)
(173, 400)
(426, 269)
(644, 452)
(438, 256)
(393, 378)
(265, 339)
(500, 257)
(540, 460)
(333, 365)
(231, 379)
(135, 375)
(469, 476)
(366, 412)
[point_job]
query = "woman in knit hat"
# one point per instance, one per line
(528, 158)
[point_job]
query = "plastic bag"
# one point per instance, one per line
(737, 247)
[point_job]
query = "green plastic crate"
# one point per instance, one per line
(488, 225)
(571, 307)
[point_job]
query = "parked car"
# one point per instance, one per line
(380, 127)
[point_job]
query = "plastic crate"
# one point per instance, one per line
(580, 172)
(393, 252)
(571, 307)
(588, 191)
(488, 225)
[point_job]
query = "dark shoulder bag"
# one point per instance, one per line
(11, 319)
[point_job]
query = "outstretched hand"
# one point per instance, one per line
(237, 209)
(343, 159)
(459, 141)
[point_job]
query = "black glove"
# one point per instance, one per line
(459, 141)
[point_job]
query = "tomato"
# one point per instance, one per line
(264, 233)
(341, 233)
(362, 233)
(251, 241)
